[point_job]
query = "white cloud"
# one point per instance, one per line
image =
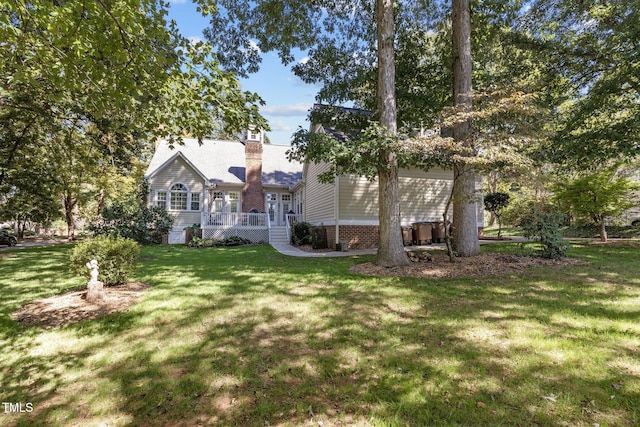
(254, 46)
(287, 110)
(279, 126)
(194, 40)
(177, 1)
(304, 60)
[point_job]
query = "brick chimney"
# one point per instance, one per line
(252, 192)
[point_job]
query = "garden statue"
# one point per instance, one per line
(95, 288)
(93, 266)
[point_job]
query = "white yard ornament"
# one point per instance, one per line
(95, 288)
(93, 266)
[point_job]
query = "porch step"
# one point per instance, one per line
(278, 235)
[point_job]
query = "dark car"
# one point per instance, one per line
(7, 239)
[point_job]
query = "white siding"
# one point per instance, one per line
(184, 219)
(423, 196)
(358, 200)
(319, 198)
(179, 171)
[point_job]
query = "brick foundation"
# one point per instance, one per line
(358, 236)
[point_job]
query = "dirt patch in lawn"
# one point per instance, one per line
(72, 307)
(487, 264)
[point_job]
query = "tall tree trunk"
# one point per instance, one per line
(19, 230)
(492, 219)
(390, 246)
(492, 183)
(603, 231)
(465, 230)
(447, 229)
(101, 197)
(70, 204)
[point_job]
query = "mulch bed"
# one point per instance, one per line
(487, 264)
(72, 306)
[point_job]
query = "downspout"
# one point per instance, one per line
(336, 208)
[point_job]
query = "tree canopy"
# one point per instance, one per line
(86, 85)
(592, 46)
(597, 197)
(117, 63)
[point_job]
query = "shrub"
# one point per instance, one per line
(197, 242)
(545, 227)
(319, 238)
(301, 233)
(145, 225)
(235, 241)
(517, 211)
(116, 258)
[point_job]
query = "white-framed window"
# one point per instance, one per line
(161, 199)
(195, 201)
(234, 201)
(179, 197)
(254, 135)
(217, 201)
(285, 206)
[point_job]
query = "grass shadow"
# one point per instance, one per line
(246, 336)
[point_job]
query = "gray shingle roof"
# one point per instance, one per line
(224, 161)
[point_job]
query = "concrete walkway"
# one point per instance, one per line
(33, 244)
(293, 251)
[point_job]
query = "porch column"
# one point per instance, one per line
(207, 192)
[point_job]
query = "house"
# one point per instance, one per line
(230, 188)
(348, 207)
(251, 190)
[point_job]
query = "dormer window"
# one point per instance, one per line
(254, 134)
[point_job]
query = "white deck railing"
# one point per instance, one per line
(290, 220)
(252, 226)
(234, 219)
(293, 218)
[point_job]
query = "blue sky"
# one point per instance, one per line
(287, 98)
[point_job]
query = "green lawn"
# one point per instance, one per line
(246, 336)
(583, 231)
